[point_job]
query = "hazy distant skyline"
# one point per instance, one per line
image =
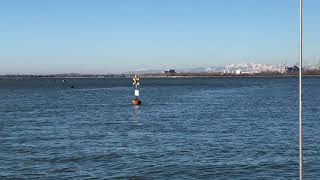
(101, 36)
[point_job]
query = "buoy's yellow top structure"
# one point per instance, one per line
(136, 84)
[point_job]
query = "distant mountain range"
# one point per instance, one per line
(187, 70)
(231, 68)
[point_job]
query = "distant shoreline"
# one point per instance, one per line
(159, 76)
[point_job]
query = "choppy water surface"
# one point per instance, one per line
(209, 128)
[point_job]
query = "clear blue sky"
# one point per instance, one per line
(88, 36)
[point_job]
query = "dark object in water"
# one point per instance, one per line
(136, 101)
(72, 86)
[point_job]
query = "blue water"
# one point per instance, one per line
(205, 128)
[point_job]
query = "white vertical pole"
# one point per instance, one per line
(300, 101)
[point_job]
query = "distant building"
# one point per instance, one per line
(169, 72)
(292, 69)
(250, 68)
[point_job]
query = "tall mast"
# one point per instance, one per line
(300, 101)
